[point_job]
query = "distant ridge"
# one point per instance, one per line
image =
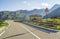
(55, 11)
(54, 7)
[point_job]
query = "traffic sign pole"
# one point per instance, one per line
(46, 10)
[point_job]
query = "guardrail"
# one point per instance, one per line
(43, 28)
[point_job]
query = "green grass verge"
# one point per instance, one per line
(47, 25)
(56, 19)
(3, 23)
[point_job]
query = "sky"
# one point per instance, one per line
(12, 5)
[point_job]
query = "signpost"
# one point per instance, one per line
(46, 10)
(0, 17)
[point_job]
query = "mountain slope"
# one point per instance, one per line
(54, 11)
(20, 14)
(54, 7)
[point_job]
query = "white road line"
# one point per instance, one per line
(2, 33)
(31, 32)
(8, 26)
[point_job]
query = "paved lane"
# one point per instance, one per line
(15, 31)
(21, 31)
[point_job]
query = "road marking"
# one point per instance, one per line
(31, 32)
(2, 33)
(8, 26)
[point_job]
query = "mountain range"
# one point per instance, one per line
(54, 12)
(22, 14)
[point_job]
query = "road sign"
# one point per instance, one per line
(46, 10)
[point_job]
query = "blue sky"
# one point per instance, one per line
(13, 5)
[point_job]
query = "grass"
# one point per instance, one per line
(56, 19)
(47, 25)
(3, 23)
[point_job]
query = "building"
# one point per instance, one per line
(35, 17)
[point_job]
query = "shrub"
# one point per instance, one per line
(58, 27)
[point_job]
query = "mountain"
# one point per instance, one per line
(21, 14)
(54, 7)
(54, 13)
(34, 11)
(38, 11)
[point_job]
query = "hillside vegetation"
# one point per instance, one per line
(3, 23)
(56, 20)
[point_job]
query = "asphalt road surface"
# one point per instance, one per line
(17, 30)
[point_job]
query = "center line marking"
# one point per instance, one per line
(31, 32)
(2, 33)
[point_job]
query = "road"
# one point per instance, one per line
(17, 30)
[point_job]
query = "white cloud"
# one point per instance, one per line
(45, 4)
(26, 3)
(29, 4)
